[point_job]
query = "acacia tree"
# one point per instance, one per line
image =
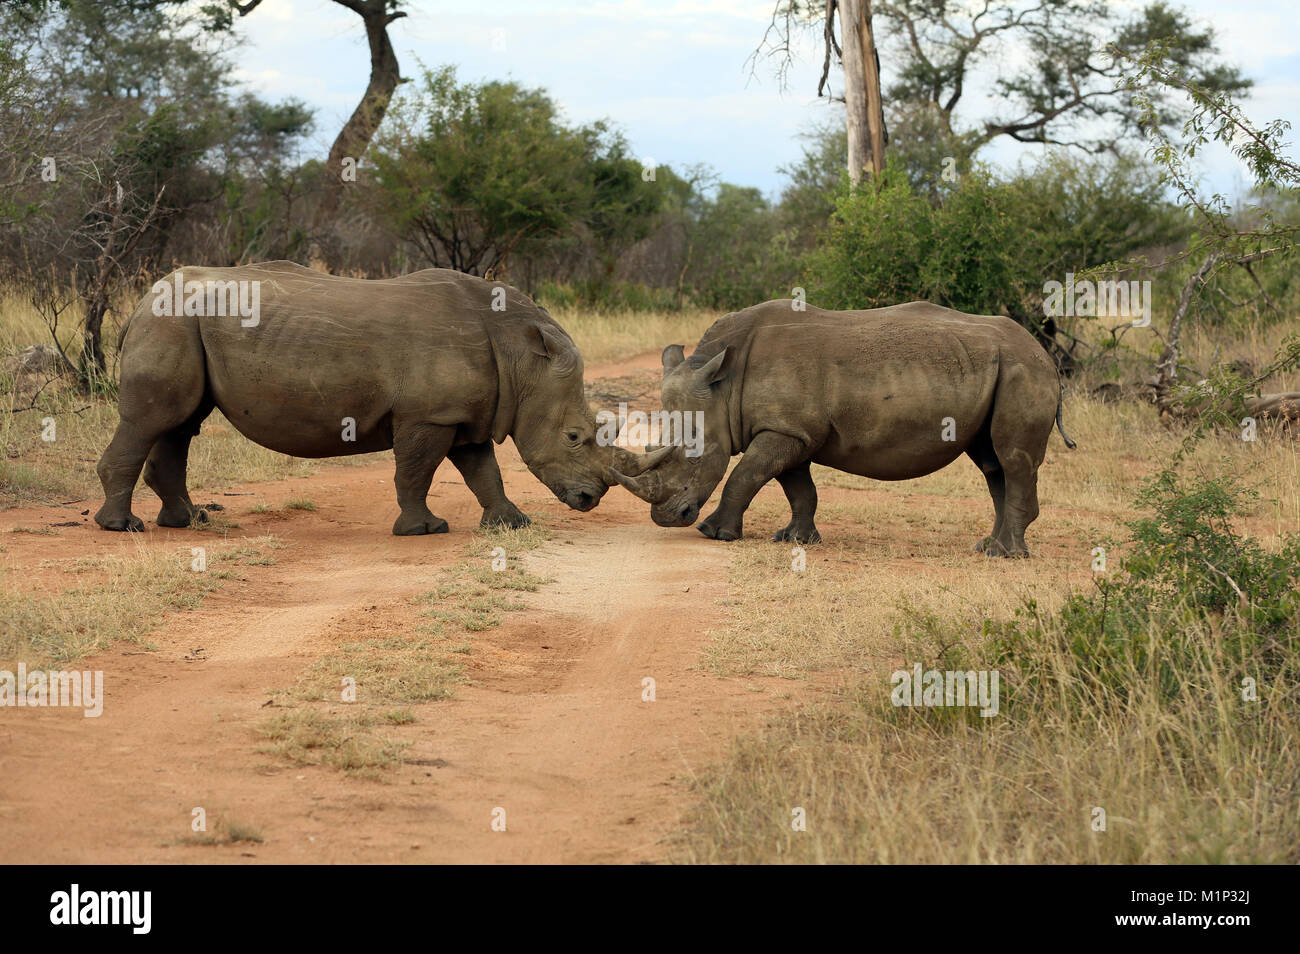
(1222, 242)
(1067, 89)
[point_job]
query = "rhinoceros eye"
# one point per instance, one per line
(572, 437)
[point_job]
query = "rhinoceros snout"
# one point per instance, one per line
(682, 516)
(581, 500)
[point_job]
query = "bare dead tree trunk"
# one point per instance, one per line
(1167, 366)
(355, 136)
(92, 347)
(875, 101)
(119, 241)
(864, 107)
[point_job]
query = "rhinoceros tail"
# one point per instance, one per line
(121, 335)
(1060, 427)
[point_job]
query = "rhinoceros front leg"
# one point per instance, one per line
(418, 450)
(477, 463)
(768, 455)
(800, 490)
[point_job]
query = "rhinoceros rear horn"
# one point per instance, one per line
(633, 465)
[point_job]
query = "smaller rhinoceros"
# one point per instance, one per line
(888, 393)
(434, 365)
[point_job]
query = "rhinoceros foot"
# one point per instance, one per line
(128, 524)
(510, 517)
(797, 533)
(417, 526)
(991, 547)
(181, 516)
(716, 529)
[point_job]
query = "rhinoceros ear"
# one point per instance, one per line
(556, 349)
(673, 356)
(710, 372)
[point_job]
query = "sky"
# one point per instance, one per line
(674, 75)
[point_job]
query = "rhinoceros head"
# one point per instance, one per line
(555, 429)
(678, 484)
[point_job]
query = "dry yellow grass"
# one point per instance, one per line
(1181, 782)
(118, 597)
(614, 336)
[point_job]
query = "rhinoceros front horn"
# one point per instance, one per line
(636, 472)
(649, 487)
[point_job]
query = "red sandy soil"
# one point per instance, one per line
(551, 726)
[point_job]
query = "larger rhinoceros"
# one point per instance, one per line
(888, 393)
(434, 364)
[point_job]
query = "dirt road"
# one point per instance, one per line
(551, 728)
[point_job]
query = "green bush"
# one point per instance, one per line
(739, 252)
(880, 237)
(1189, 574)
(987, 244)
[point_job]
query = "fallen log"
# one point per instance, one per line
(1283, 406)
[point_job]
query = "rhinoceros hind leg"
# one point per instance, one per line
(118, 470)
(992, 547)
(129, 524)
(1019, 430)
(981, 452)
(405, 526)
(418, 450)
(165, 470)
(161, 389)
(800, 490)
(477, 464)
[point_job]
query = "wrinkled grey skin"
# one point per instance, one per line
(421, 363)
(864, 392)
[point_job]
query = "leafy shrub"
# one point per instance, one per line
(1190, 575)
(987, 244)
